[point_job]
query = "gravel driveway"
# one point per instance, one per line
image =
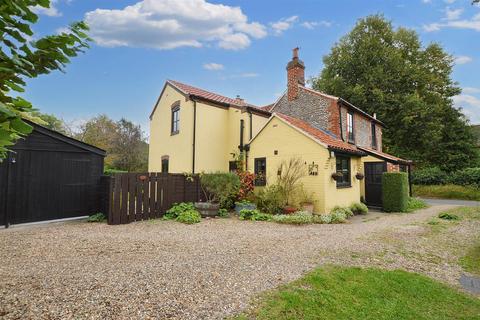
(164, 269)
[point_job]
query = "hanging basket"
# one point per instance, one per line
(359, 176)
(336, 176)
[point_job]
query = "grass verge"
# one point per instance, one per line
(471, 261)
(448, 191)
(335, 292)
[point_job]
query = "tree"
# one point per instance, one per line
(21, 59)
(124, 142)
(389, 72)
(50, 121)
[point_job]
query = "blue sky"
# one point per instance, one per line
(229, 47)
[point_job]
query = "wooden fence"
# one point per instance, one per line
(142, 196)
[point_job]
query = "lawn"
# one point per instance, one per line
(471, 261)
(448, 191)
(334, 292)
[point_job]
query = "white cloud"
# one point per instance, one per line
(470, 105)
(283, 24)
(427, 1)
(473, 24)
(213, 66)
(241, 75)
(471, 90)
(51, 12)
(452, 14)
(314, 24)
(463, 59)
(169, 24)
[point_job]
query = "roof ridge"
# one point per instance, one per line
(319, 92)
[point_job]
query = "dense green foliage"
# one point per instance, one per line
(220, 187)
(389, 72)
(97, 217)
(296, 218)
(395, 191)
(270, 199)
(448, 216)
(415, 204)
(341, 211)
(359, 208)
(223, 213)
(189, 217)
(110, 171)
(179, 208)
(435, 176)
(428, 176)
(50, 121)
(341, 293)
(448, 191)
(21, 58)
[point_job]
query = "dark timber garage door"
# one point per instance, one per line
(373, 183)
(49, 176)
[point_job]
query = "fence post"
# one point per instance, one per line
(107, 201)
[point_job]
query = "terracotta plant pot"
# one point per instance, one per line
(289, 210)
(207, 209)
(307, 207)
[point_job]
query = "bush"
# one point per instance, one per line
(111, 171)
(223, 213)
(448, 191)
(345, 211)
(271, 199)
(338, 217)
(247, 184)
(395, 191)
(97, 217)
(322, 218)
(428, 176)
(254, 215)
(219, 187)
(301, 217)
(177, 209)
(466, 177)
(448, 216)
(189, 217)
(359, 208)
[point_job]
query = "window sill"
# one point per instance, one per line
(344, 186)
(174, 133)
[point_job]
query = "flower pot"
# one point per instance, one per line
(307, 206)
(359, 176)
(336, 176)
(240, 206)
(289, 210)
(207, 209)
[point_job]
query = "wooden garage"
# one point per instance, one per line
(50, 176)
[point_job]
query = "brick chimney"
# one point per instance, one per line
(295, 75)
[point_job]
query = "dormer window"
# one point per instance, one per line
(350, 134)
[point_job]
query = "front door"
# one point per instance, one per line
(373, 183)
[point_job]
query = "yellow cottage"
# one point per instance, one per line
(193, 130)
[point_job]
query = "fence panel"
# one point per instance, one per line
(141, 196)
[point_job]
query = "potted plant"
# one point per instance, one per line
(359, 176)
(216, 186)
(336, 176)
(289, 210)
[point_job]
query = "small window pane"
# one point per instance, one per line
(343, 168)
(260, 171)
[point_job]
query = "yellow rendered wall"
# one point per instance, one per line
(179, 146)
(290, 143)
(362, 170)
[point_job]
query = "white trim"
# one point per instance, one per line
(44, 222)
(320, 93)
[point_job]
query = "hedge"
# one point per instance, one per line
(435, 176)
(395, 191)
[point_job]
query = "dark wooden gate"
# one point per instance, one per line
(373, 183)
(143, 196)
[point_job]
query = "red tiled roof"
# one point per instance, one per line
(384, 155)
(187, 89)
(321, 135)
(267, 107)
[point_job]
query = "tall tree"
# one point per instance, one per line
(50, 121)
(409, 86)
(21, 59)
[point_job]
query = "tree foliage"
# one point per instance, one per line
(50, 121)
(409, 86)
(123, 140)
(21, 59)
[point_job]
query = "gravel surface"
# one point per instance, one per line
(167, 270)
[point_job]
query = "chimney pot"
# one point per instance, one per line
(295, 75)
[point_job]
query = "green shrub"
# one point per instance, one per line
(189, 217)
(223, 213)
(448, 191)
(254, 215)
(271, 199)
(322, 218)
(466, 177)
(260, 216)
(359, 208)
(97, 217)
(448, 216)
(395, 191)
(301, 217)
(415, 204)
(220, 187)
(345, 211)
(177, 209)
(428, 176)
(111, 171)
(338, 217)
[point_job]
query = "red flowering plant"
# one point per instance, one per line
(247, 184)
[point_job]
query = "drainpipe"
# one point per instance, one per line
(194, 134)
(340, 121)
(242, 128)
(251, 123)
